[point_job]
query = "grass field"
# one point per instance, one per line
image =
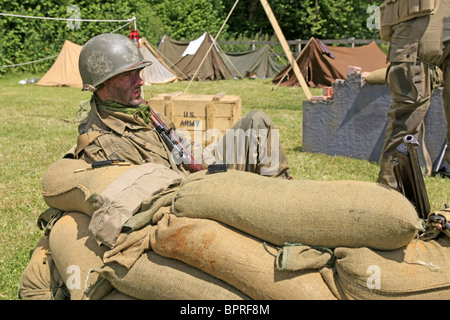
(34, 132)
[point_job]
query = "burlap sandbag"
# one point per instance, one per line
(154, 277)
(111, 195)
(321, 213)
(420, 270)
(75, 253)
(41, 279)
(236, 258)
(117, 295)
(67, 190)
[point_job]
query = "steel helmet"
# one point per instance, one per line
(107, 55)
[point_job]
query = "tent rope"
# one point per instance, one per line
(126, 24)
(212, 44)
(24, 63)
(232, 64)
(63, 19)
(50, 57)
(171, 65)
(290, 68)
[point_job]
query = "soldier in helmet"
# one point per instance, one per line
(117, 126)
(419, 56)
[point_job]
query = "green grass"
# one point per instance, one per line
(34, 133)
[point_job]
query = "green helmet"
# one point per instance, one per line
(107, 55)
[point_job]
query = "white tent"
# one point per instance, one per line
(158, 72)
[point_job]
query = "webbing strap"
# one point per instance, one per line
(86, 139)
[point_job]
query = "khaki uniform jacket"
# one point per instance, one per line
(108, 135)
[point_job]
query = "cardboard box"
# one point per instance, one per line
(195, 112)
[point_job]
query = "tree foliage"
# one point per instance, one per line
(23, 39)
(326, 19)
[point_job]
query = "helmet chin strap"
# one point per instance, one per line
(91, 88)
(88, 87)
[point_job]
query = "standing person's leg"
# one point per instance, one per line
(411, 90)
(446, 98)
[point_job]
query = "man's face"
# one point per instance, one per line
(124, 88)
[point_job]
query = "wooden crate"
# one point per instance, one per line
(192, 112)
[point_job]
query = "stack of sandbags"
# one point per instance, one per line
(360, 237)
(238, 235)
(236, 258)
(81, 263)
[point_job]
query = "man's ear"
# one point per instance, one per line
(100, 87)
(100, 91)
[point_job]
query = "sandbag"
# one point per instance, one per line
(236, 258)
(321, 213)
(75, 253)
(117, 295)
(153, 277)
(421, 270)
(111, 194)
(41, 279)
(65, 189)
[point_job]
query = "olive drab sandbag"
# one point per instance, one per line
(240, 260)
(419, 271)
(320, 213)
(153, 277)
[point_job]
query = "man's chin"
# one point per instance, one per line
(136, 102)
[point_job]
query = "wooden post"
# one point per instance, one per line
(286, 49)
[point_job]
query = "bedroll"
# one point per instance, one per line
(240, 236)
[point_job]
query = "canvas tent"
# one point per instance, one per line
(321, 65)
(263, 62)
(64, 71)
(159, 71)
(185, 57)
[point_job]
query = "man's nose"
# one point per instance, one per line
(138, 80)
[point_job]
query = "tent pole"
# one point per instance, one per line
(232, 64)
(286, 48)
(212, 44)
(290, 66)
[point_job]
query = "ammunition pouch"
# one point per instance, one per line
(393, 12)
